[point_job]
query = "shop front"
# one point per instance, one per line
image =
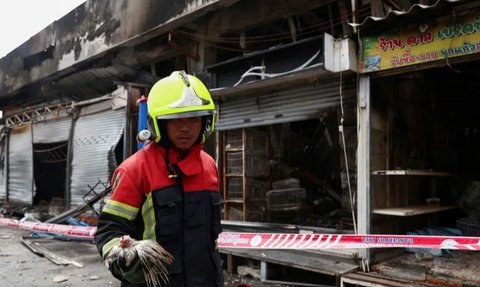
(283, 164)
(421, 148)
(54, 158)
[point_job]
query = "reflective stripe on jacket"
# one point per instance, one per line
(181, 213)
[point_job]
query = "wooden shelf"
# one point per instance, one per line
(233, 149)
(238, 201)
(234, 175)
(412, 210)
(239, 147)
(420, 172)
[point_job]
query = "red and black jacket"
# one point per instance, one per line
(177, 205)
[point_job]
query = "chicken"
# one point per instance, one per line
(151, 255)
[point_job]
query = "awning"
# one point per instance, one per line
(416, 10)
(100, 81)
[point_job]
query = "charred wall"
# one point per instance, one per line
(91, 31)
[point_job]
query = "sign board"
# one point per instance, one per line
(445, 39)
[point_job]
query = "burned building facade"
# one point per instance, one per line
(311, 127)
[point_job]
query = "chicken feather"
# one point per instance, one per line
(152, 256)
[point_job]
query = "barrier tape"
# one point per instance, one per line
(343, 241)
(282, 240)
(86, 232)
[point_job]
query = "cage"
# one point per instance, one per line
(470, 226)
(257, 141)
(235, 163)
(256, 211)
(286, 183)
(235, 214)
(235, 188)
(233, 139)
(257, 164)
(285, 199)
(255, 189)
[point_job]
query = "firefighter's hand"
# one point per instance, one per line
(128, 260)
(126, 266)
(132, 273)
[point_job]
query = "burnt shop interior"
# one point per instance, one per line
(425, 152)
(289, 173)
(424, 160)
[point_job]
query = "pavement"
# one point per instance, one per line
(22, 267)
(77, 264)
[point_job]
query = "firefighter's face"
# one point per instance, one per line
(184, 132)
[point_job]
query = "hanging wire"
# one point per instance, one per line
(213, 41)
(342, 132)
(253, 70)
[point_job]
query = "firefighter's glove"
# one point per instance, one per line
(124, 264)
(128, 260)
(132, 273)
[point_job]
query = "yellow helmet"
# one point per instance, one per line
(179, 96)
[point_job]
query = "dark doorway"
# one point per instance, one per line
(50, 165)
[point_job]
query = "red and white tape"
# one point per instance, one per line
(283, 240)
(86, 232)
(342, 241)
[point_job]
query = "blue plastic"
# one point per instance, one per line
(142, 118)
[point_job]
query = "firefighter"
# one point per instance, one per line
(169, 190)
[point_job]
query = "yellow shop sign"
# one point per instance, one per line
(444, 40)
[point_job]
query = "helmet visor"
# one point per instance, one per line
(191, 114)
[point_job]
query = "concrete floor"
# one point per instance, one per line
(20, 267)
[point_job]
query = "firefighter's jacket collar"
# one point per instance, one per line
(189, 165)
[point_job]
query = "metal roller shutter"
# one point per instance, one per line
(3, 163)
(52, 131)
(20, 161)
(285, 106)
(97, 131)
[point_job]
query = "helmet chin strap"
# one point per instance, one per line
(162, 128)
(201, 136)
(171, 172)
